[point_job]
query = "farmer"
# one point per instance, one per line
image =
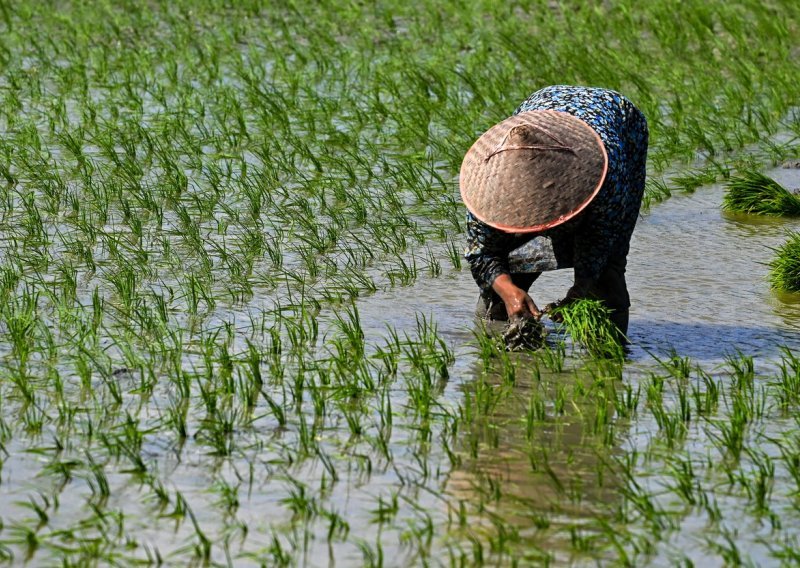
(556, 185)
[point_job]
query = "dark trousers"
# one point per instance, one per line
(610, 288)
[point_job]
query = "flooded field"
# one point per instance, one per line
(691, 329)
(236, 326)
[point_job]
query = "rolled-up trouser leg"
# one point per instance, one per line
(492, 307)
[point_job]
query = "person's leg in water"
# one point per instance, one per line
(491, 306)
(612, 290)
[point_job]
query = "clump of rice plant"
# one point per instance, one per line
(689, 181)
(655, 191)
(523, 333)
(754, 192)
(785, 267)
(589, 324)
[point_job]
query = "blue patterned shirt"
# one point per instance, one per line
(601, 231)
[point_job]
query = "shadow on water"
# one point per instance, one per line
(704, 342)
(707, 341)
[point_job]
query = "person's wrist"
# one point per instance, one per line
(504, 287)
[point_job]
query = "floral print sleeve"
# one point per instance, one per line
(603, 230)
(487, 252)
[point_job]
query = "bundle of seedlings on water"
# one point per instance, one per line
(589, 324)
(784, 271)
(754, 192)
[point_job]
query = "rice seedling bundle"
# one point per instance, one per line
(756, 193)
(588, 323)
(784, 268)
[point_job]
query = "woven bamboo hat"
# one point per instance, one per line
(533, 171)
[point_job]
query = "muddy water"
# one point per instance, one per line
(698, 283)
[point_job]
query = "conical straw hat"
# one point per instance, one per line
(533, 171)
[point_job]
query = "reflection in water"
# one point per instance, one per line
(539, 465)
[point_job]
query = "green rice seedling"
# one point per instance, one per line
(655, 390)
(742, 370)
(758, 481)
(552, 356)
(753, 192)
(779, 153)
(455, 254)
(751, 403)
(671, 424)
(433, 265)
(787, 551)
(788, 385)
(588, 323)
(405, 275)
(21, 318)
(684, 405)
(98, 481)
(784, 268)
(691, 180)
(349, 326)
(790, 456)
(228, 493)
(730, 437)
(485, 395)
(373, 557)
(687, 484)
(386, 510)
(655, 191)
(679, 367)
(535, 414)
(728, 548)
(488, 345)
(626, 401)
(705, 396)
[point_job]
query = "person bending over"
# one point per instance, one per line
(557, 185)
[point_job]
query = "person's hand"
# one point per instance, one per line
(518, 302)
(576, 292)
(552, 309)
(579, 289)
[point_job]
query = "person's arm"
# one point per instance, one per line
(487, 252)
(487, 255)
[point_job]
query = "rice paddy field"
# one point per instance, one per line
(236, 327)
